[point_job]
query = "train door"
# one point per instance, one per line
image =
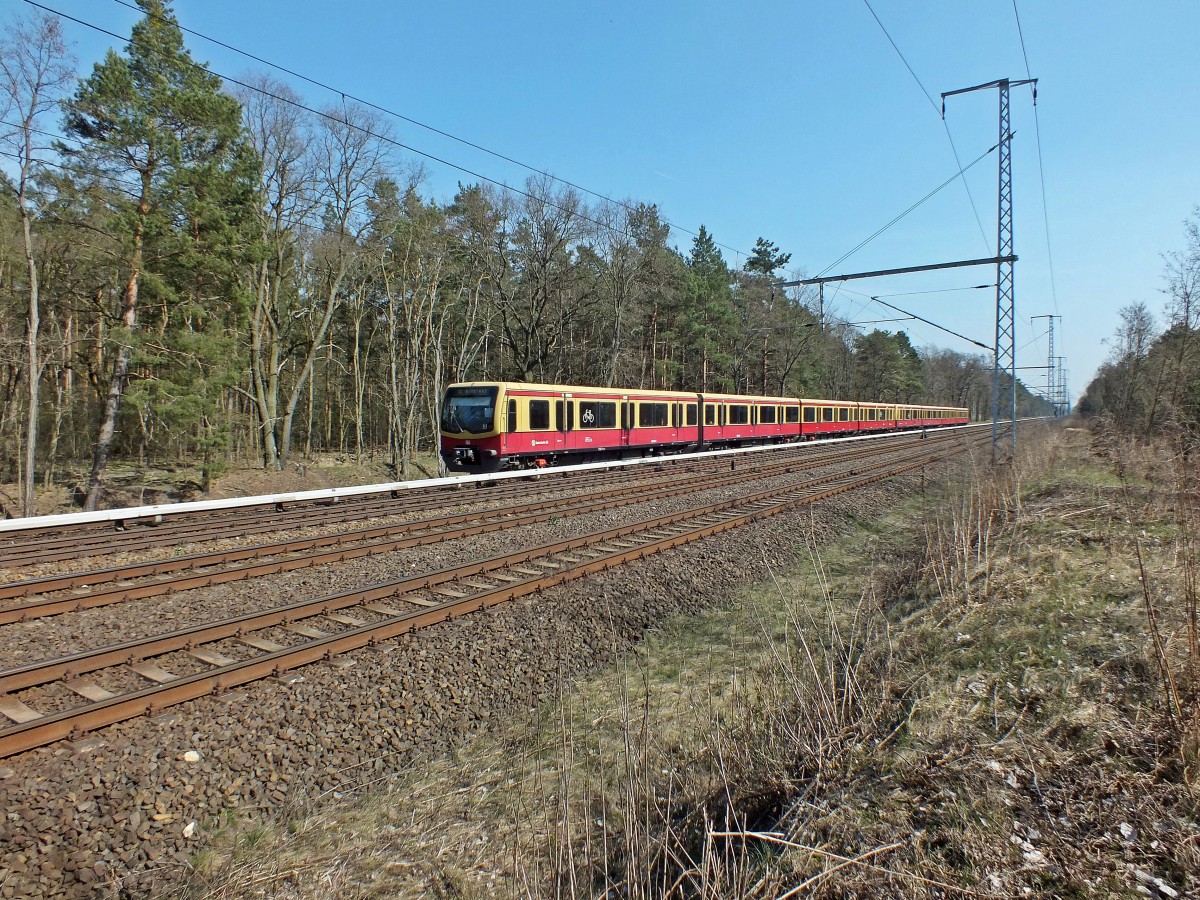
(564, 420)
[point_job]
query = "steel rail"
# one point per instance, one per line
(436, 530)
(46, 729)
(47, 544)
(139, 649)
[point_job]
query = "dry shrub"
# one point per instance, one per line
(1171, 604)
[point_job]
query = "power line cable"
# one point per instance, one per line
(880, 231)
(1037, 129)
(390, 112)
(501, 185)
(945, 125)
(366, 131)
(132, 188)
(934, 324)
(876, 298)
(973, 287)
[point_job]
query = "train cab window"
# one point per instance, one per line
(791, 414)
(469, 410)
(766, 415)
(710, 414)
(539, 415)
(597, 414)
(810, 414)
(652, 415)
(844, 414)
(739, 414)
(691, 414)
(512, 416)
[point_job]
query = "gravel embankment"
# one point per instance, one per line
(124, 818)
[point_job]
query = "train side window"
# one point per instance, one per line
(539, 415)
(675, 410)
(710, 414)
(810, 414)
(844, 414)
(722, 414)
(691, 414)
(558, 415)
(512, 415)
(826, 413)
(791, 414)
(597, 414)
(739, 414)
(652, 415)
(570, 415)
(766, 415)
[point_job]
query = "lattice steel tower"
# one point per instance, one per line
(1005, 346)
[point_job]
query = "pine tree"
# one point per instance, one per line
(158, 121)
(765, 258)
(708, 319)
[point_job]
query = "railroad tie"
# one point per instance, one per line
(18, 711)
(343, 619)
(212, 657)
(420, 601)
(88, 690)
(306, 630)
(153, 672)
(383, 609)
(261, 644)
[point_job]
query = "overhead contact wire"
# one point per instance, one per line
(929, 97)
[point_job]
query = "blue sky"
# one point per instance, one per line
(797, 122)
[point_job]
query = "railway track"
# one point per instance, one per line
(54, 544)
(159, 577)
(41, 698)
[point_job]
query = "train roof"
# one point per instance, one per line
(573, 388)
(690, 395)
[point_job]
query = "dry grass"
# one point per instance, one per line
(984, 696)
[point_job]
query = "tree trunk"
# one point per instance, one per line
(32, 327)
(264, 367)
(116, 384)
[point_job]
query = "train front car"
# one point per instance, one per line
(471, 430)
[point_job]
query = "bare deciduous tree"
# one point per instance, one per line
(36, 71)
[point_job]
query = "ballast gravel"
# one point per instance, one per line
(122, 813)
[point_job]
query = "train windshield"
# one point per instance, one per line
(470, 410)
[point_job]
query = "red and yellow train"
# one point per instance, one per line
(488, 426)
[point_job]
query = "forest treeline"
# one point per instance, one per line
(196, 271)
(1151, 380)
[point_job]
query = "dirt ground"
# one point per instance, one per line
(130, 484)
